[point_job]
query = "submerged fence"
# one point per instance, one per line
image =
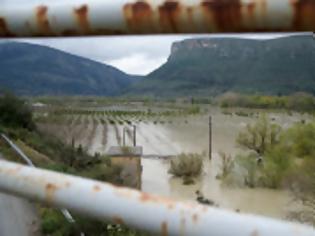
(117, 17)
(136, 209)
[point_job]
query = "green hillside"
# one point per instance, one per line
(208, 67)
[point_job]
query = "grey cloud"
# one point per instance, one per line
(117, 50)
(112, 48)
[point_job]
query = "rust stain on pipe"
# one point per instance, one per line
(304, 15)
(50, 192)
(195, 218)
(4, 30)
(139, 16)
(13, 171)
(81, 15)
(224, 15)
(169, 14)
(43, 21)
(96, 188)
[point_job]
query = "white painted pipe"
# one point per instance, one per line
(115, 17)
(136, 209)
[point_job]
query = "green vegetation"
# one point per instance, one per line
(186, 166)
(53, 219)
(297, 102)
(48, 152)
(259, 137)
(206, 67)
(276, 158)
(14, 113)
(264, 165)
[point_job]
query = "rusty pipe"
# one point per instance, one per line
(136, 209)
(98, 17)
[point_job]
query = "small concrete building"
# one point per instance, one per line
(129, 159)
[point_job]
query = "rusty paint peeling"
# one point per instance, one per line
(169, 14)
(50, 192)
(195, 218)
(43, 21)
(251, 10)
(223, 15)
(81, 15)
(14, 171)
(4, 29)
(145, 197)
(304, 15)
(139, 17)
(96, 188)
(164, 230)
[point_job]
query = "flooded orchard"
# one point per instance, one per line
(165, 136)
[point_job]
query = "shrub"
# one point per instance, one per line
(275, 167)
(249, 169)
(186, 165)
(260, 136)
(15, 113)
(302, 186)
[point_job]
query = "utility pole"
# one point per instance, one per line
(210, 138)
(134, 135)
(124, 137)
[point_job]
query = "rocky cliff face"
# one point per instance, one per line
(210, 66)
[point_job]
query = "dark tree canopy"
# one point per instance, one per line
(15, 113)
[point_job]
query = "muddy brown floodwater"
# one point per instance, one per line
(190, 134)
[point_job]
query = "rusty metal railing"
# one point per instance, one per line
(105, 17)
(136, 209)
(28, 161)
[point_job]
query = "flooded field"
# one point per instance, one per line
(164, 136)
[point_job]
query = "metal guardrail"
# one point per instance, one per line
(136, 209)
(65, 212)
(116, 17)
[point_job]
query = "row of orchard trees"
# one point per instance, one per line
(298, 101)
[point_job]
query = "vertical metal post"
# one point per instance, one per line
(124, 136)
(210, 137)
(134, 135)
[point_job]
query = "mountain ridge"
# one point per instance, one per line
(30, 69)
(212, 66)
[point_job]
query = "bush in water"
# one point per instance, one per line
(186, 166)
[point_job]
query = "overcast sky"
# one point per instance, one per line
(132, 54)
